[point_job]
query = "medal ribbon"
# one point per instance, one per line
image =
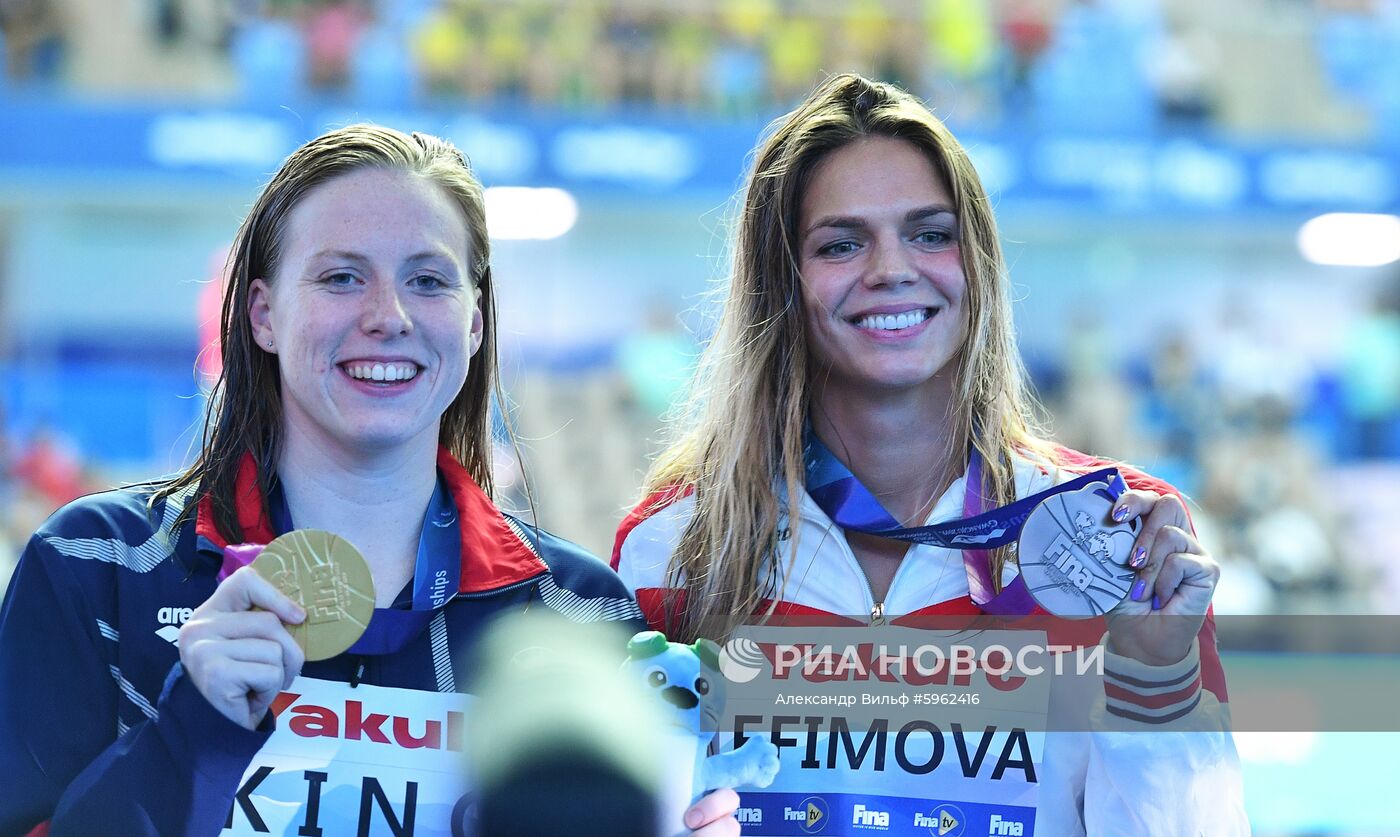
(436, 574)
(850, 505)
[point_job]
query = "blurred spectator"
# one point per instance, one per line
(51, 469)
(657, 360)
(795, 45)
(442, 47)
(33, 39)
(1261, 483)
(1025, 31)
(1181, 66)
(1370, 376)
(1096, 411)
(738, 72)
(960, 41)
(1359, 44)
(859, 37)
(686, 44)
(1099, 48)
(381, 72)
(1250, 365)
(271, 59)
(505, 49)
(1148, 63)
(1179, 409)
(333, 28)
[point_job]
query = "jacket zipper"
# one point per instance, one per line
(877, 609)
(877, 613)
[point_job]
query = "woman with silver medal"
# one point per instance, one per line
(864, 363)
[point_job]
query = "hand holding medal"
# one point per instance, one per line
(309, 598)
(1085, 553)
(1175, 577)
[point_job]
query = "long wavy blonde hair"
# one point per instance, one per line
(741, 431)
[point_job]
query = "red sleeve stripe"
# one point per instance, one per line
(1150, 718)
(1149, 687)
(1165, 700)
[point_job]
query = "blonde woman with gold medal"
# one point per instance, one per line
(865, 369)
(145, 668)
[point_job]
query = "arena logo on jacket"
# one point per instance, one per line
(357, 760)
(875, 741)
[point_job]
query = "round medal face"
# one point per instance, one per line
(1073, 557)
(330, 579)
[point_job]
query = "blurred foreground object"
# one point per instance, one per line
(558, 740)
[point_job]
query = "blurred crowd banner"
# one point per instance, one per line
(659, 155)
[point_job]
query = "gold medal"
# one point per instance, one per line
(330, 579)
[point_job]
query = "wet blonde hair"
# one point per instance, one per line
(741, 432)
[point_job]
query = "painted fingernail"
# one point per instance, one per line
(1139, 558)
(1156, 602)
(1139, 590)
(1120, 514)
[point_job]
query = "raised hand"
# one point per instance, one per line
(235, 649)
(1176, 577)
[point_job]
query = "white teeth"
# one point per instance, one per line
(388, 372)
(893, 322)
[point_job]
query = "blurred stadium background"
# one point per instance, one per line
(1198, 199)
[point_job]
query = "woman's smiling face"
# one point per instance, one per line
(882, 274)
(372, 312)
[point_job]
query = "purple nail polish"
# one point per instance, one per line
(1120, 514)
(1156, 602)
(1139, 590)
(1139, 558)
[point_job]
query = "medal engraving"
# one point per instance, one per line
(330, 579)
(1074, 557)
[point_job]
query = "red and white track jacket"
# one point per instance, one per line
(1157, 762)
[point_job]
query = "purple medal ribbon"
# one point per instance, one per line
(851, 506)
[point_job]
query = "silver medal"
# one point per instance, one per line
(1073, 557)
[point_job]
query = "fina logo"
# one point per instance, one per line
(863, 817)
(740, 660)
(944, 821)
(1005, 828)
(810, 815)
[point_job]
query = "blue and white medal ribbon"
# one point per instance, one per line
(1072, 556)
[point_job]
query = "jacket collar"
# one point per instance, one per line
(493, 554)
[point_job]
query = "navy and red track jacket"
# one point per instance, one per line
(100, 732)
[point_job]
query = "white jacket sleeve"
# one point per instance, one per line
(1162, 759)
